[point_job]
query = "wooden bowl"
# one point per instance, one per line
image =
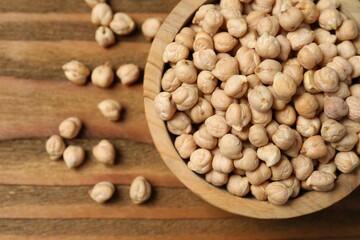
(307, 203)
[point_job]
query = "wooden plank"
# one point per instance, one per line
(25, 162)
(45, 6)
(61, 26)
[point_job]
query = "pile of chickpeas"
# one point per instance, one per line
(263, 96)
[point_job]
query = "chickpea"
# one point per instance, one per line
(204, 139)
(220, 100)
(332, 131)
(267, 46)
(260, 117)
(203, 41)
(179, 124)
(104, 36)
(346, 49)
(262, 5)
(355, 90)
(185, 71)
(259, 175)
(205, 59)
(347, 143)
(314, 147)
(150, 27)
(128, 73)
(236, 86)
(222, 164)
(284, 137)
(269, 24)
(102, 192)
(284, 86)
(103, 75)
(73, 156)
(175, 52)
(278, 104)
(306, 105)
(308, 127)
(122, 24)
(238, 116)
(169, 81)
(201, 12)
(342, 67)
(237, 27)
(217, 178)
(260, 98)
(224, 42)
(70, 127)
(321, 181)
(353, 103)
(281, 6)
(270, 154)
(286, 116)
(282, 170)
(310, 55)
(326, 4)
(294, 150)
(278, 193)
(101, 14)
(291, 19)
(302, 167)
(326, 79)
(216, 126)
(348, 30)
(230, 146)
(212, 21)
(343, 91)
(243, 135)
(226, 68)
(258, 136)
(285, 47)
(186, 37)
(335, 107)
(104, 152)
(248, 60)
(267, 70)
(309, 11)
(55, 147)
(237, 185)
(294, 184)
(248, 162)
(185, 96)
(111, 109)
(328, 167)
(201, 111)
(300, 37)
(329, 155)
(140, 190)
(271, 128)
(330, 19)
(76, 72)
(293, 68)
(249, 39)
(230, 13)
(185, 145)
(206, 82)
(351, 125)
(200, 161)
(355, 63)
(309, 82)
(259, 191)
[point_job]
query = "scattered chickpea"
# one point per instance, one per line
(122, 24)
(101, 14)
(111, 109)
(104, 152)
(73, 156)
(129, 73)
(70, 127)
(76, 72)
(102, 192)
(103, 75)
(55, 147)
(140, 190)
(104, 36)
(150, 27)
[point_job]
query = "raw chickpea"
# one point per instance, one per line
(267, 70)
(169, 81)
(179, 124)
(200, 161)
(238, 116)
(201, 111)
(104, 152)
(185, 145)
(309, 11)
(353, 103)
(224, 42)
(253, 81)
(321, 181)
(278, 104)
(286, 116)
(347, 143)
(226, 68)
(329, 155)
(262, 5)
(284, 86)
(150, 27)
(104, 36)
(269, 24)
(203, 41)
(278, 193)
(332, 131)
(302, 167)
(237, 27)
(55, 147)
(355, 90)
(129, 73)
(285, 47)
(300, 37)
(248, 60)
(204, 139)
(216, 126)
(222, 164)
(220, 100)
(326, 79)
(236, 86)
(249, 39)
(230, 4)
(314, 147)
(308, 127)
(212, 21)
(70, 127)
(310, 55)
(306, 105)
(281, 6)
(103, 75)
(217, 178)
(343, 91)
(328, 167)
(291, 19)
(200, 13)
(259, 191)
(342, 67)
(351, 125)
(270, 154)
(294, 150)
(346, 49)
(260, 117)
(293, 68)
(258, 136)
(122, 24)
(102, 192)
(294, 184)
(243, 135)
(284, 137)
(348, 30)
(175, 52)
(253, 17)
(230, 146)
(92, 3)
(165, 107)
(309, 82)
(237, 185)
(330, 19)
(282, 170)
(206, 82)
(111, 109)
(205, 59)
(229, 13)
(355, 63)
(76, 72)
(260, 98)
(326, 4)
(186, 37)
(140, 190)
(267, 46)
(185, 96)
(73, 156)
(249, 161)
(335, 107)
(101, 14)
(185, 71)
(271, 128)
(259, 175)
(324, 36)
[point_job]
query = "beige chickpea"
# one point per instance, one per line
(140, 190)
(302, 167)
(237, 27)
(332, 131)
(286, 116)
(323, 36)
(309, 82)
(103, 75)
(335, 107)
(249, 161)
(282, 170)
(76, 72)
(203, 41)
(230, 146)
(186, 71)
(102, 192)
(224, 42)
(271, 128)
(220, 100)
(314, 147)
(205, 59)
(291, 19)
(92, 3)
(269, 24)
(55, 147)
(150, 27)
(326, 4)
(328, 167)
(73, 156)
(253, 81)
(308, 9)
(294, 150)
(269, 153)
(260, 98)
(165, 107)
(258, 136)
(342, 67)
(343, 91)
(201, 111)
(217, 178)
(204, 139)
(261, 117)
(306, 105)
(347, 143)
(294, 184)
(267, 46)
(111, 109)
(310, 55)
(300, 37)
(206, 82)
(259, 175)
(243, 135)
(248, 60)
(229, 13)
(200, 161)
(185, 145)
(236, 86)
(70, 127)
(185, 96)
(353, 103)
(200, 13)
(179, 124)
(267, 69)
(278, 104)
(104, 152)
(104, 36)
(308, 127)
(326, 79)
(351, 125)
(212, 21)
(346, 162)
(278, 193)
(330, 19)
(355, 63)
(169, 81)
(186, 37)
(293, 68)
(281, 6)
(355, 90)
(285, 47)
(346, 49)
(329, 155)
(321, 181)
(122, 24)
(238, 186)
(238, 116)
(348, 30)
(284, 86)
(175, 52)
(226, 68)
(249, 39)
(229, 4)
(101, 14)
(253, 17)
(259, 191)
(222, 164)
(216, 126)
(284, 137)
(262, 5)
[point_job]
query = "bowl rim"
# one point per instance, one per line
(309, 202)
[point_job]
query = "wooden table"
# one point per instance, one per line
(42, 199)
